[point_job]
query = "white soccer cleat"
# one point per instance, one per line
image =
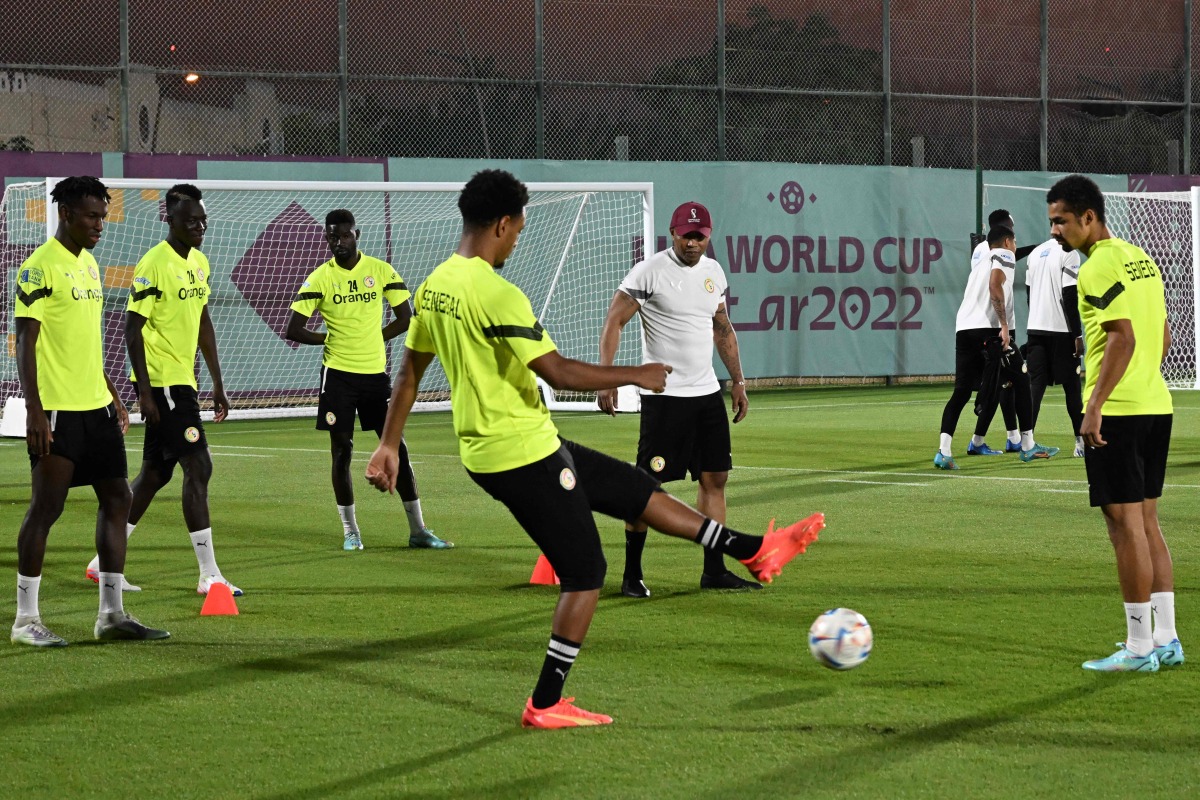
(93, 575)
(35, 634)
(206, 582)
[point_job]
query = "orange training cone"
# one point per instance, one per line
(219, 602)
(543, 573)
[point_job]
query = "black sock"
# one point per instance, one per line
(635, 542)
(716, 537)
(714, 562)
(560, 655)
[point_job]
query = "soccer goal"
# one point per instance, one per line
(1164, 224)
(264, 237)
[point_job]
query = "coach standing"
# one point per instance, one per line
(680, 294)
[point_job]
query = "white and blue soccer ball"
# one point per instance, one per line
(840, 638)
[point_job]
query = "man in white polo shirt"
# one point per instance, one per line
(680, 294)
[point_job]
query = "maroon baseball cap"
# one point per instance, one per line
(691, 217)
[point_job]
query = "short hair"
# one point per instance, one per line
(998, 216)
(180, 192)
(490, 195)
(1078, 194)
(998, 233)
(69, 191)
(339, 216)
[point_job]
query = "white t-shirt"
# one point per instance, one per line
(1050, 269)
(976, 310)
(677, 304)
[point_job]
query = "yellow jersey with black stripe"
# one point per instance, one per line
(170, 291)
(483, 331)
(1119, 281)
(351, 302)
(64, 293)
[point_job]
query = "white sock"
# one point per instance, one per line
(945, 441)
(94, 564)
(27, 597)
(349, 523)
(203, 545)
(1137, 622)
(416, 523)
(1078, 441)
(1164, 617)
(110, 592)
(1027, 441)
(1014, 437)
(977, 440)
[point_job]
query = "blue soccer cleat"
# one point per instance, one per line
(982, 450)
(352, 541)
(1170, 655)
(1038, 452)
(1012, 447)
(943, 462)
(1124, 661)
(426, 540)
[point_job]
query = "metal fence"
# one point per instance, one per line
(1099, 86)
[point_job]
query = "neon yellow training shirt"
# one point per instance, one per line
(1119, 281)
(351, 301)
(170, 292)
(63, 292)
(483, 330)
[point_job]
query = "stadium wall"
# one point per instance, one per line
(834, 271)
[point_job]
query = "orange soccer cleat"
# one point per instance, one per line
(781, 546)
(561, 715)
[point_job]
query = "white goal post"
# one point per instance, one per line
(1164, 224)
(264, 237)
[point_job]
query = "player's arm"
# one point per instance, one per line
(384, 465)
(399, 325)
(1021, 252)
(135, 344)
(725, 339)
(620, 311)
(1118, 350)
(122, 412)
(1070, 301)
(297, 330)
(996, 293)
(37, 427)
(208, 346)
(564, 373)
(1166, 340)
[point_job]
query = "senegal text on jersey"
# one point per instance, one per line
(440, 302)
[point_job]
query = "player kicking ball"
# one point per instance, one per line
(483, 330)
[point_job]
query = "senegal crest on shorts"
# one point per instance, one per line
(657, 463)
(709, 286)
(330, 418)
(566, 479)
(192, 435)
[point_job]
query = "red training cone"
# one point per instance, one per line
(543, 573)
(219, 602)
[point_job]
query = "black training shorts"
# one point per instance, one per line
(684, 434)
(1133, 465)
(344, 393)
(1051, 359)
(92, 441)
(553, 500)
(179, 432)
(970, 356)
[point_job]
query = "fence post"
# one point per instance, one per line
(343, 80)
(1044, 100)
(539, 79)
(886, 57)
(124, 101)
(721, 81)
(1187, 87)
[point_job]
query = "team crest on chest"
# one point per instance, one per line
(369, 281)
(200, 273)
(709, 286)
(566, 479)
(95, 275)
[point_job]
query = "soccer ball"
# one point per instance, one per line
(840, 638)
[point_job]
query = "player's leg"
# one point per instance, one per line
(51, 480)
(664, 447)
(712, 459)
(1008, 411)
(710, 502)
(622, 491)
(197, 473)
(545, 500)
(1038, 354)
(1016, 370)
(1067, 373)
(341, 451)
(968, 370)
(113, 623)
(1162, 590)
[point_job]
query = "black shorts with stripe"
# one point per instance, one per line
(684, 434)
(1051, 358)
(92, 441)
(553, 500)
(179, 432)
(345, 393)
(970, 356)
(1132, 467)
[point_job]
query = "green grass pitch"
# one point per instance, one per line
(400, 673)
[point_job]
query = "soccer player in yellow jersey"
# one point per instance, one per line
(167, 318)
(1127, 417)
(483, 330)
(349, 291)
(75, 422)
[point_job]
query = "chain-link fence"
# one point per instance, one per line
(1104, 86)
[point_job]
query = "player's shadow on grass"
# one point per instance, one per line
(389, 779)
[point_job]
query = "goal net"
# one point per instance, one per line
(265, 237)
(1165, 225)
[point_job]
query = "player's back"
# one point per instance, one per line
(975, 310)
